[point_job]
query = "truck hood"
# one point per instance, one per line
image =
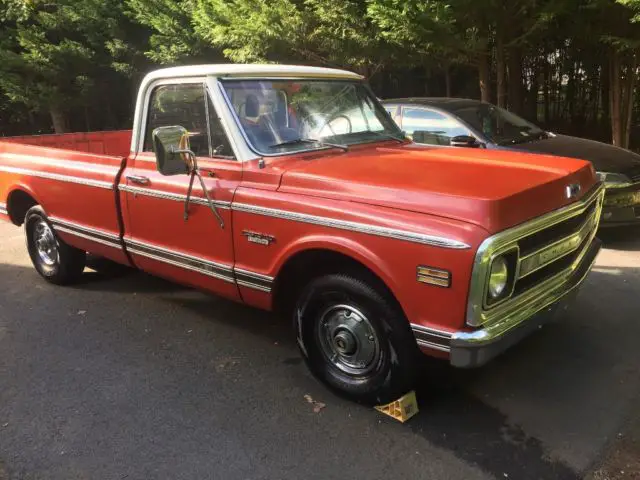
(492, 189)
(605, 157)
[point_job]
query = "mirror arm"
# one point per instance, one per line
(206, 194)
(195, 172)
(192, 177)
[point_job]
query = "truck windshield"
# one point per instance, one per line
(287, 116)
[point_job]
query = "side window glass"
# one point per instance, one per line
(220, 146)
(184, 105)
(433, 128)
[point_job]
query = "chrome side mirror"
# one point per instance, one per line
(464, 141)
(173, 155)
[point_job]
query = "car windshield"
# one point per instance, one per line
(286, 116)
(498, 125)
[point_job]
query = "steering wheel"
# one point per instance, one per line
(333, 119)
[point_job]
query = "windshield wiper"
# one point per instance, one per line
(390, 136)
(310, 140)
(531, 138)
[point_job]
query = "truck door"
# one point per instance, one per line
(197, 251)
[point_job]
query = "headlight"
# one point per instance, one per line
(498, 278)
(614, 180)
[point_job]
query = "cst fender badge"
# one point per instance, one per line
(572, 190)
(259, 238)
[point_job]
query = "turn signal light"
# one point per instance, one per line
(434, 276)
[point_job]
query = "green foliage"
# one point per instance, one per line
(322, 32)
(172, 37)
(54, 56)
(67, 57)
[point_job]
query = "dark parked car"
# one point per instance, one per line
(470, 123)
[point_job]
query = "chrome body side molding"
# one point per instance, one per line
(171, 257)
(351, 226)
(405, 235)
(58, 177)
(220, 271)
(176, 197)
(253, 280)
(432, 338)
(88, 233)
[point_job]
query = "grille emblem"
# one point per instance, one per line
(573, 190)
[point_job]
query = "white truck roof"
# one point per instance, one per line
(250, 70)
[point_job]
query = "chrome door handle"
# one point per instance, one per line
(138, 180)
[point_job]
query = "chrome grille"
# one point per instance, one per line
(548, 247)
(566, 238)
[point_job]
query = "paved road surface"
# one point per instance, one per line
(129, 376)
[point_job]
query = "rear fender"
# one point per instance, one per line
(21, 187)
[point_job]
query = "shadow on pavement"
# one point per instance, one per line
(621, 238)
(104, 275)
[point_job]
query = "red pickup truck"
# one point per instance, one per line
(291, 189)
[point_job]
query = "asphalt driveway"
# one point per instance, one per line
(129, 376)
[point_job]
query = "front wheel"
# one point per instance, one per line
(355, 339)
(54, 260)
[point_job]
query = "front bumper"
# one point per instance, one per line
(621, 207)
(470, 349)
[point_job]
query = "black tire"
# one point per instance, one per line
(61, 264)
(326, 309)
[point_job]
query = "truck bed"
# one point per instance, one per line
(115, 142)
(74, 177)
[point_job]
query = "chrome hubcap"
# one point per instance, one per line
(348, 339)
(46, 244)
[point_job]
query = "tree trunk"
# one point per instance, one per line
(515, 81)
(31, 120)
(500, 73)
(568, 109)
(545, 91)
(630, 85)
(532, 96)
(615, 97)
(605, 102)
(484, 73)
(59, 120)
(447, 80)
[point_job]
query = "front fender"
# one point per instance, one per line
(345, 246)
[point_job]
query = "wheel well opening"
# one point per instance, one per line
(18, 204)
(303, 267)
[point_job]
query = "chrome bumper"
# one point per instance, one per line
(475, 348)
(621, 208)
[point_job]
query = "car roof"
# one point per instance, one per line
(444, 103)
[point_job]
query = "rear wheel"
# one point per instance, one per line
(54, 260)
(355, 339)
